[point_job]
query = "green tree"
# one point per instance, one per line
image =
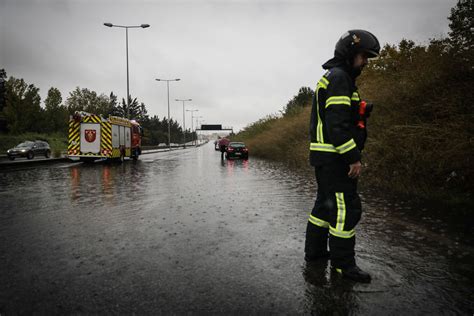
(88, 101)
(414, 125)
(462, 25)
(3, 120)
(56, 114)
(137, 111)
(299, 101)
(143, 113)
(22, 109)
(132, 110)
(3, 78)
(113, 105)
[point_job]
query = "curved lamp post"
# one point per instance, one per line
(126, 27)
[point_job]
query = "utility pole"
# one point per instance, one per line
(169, 127)
(184, 121)
(192, 120)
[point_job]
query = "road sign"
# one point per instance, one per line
(211, 127)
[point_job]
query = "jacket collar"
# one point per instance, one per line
(343, 64)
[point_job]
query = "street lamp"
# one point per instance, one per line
(126, 27)
(169, 128)
(197, 123)
(200, 122)
(184, 121)
(192, 120)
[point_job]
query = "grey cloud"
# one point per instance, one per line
(238, 60)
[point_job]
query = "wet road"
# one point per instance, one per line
(184, 232)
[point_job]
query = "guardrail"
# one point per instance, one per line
(5, 162)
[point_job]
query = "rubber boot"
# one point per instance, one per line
(354, 273)
(316, 243)
(316, 257)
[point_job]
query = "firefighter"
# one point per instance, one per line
(223, 143)
(337, 140)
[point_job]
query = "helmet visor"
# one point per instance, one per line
(371, 53)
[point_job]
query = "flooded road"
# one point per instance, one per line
(184, 232)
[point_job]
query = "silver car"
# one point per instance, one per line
(29, 150)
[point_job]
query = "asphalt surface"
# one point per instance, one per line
(184, 232)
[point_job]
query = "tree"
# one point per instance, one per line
(143, 112)
(88, 101)
(3, 78)
(462, 24)
(132, 110)
(3, 121)
(299, 101)
(55, 113)
(113, 105)
(22, 109)
(53, 100)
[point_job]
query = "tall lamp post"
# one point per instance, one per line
(197, 123)
(126, 27)
(192, 120)
(169, 127)
(184, 121)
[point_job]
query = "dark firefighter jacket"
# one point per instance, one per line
(334, 116)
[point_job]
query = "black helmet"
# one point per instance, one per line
(357, 41)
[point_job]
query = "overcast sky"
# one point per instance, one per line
(238, 60)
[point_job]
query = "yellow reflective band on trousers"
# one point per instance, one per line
(346, 146)
(341, 211)
(318, 222)
(342, 99)
(341, 233)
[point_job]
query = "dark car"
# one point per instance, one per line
(237, 150)
(29, 150)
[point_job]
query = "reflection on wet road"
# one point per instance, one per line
(186, 232)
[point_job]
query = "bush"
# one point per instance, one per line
(420, 133)
(57, 142)
(284, 139)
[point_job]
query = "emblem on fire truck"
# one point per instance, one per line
(90, 135)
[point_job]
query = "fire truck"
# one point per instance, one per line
(94, 137)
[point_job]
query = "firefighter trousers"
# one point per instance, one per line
(336, 212)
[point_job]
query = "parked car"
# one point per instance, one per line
(29, 150)
(237, 150)
(216, 145)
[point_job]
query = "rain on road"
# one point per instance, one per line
(184, 232)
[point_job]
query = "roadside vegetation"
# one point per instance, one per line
(56, 141)
(23, 116)
(421, 132)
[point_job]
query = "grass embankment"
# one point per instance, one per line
(57, 142)
(420, 133)
(280, 138)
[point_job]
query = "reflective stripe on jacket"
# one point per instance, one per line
(334, 115)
